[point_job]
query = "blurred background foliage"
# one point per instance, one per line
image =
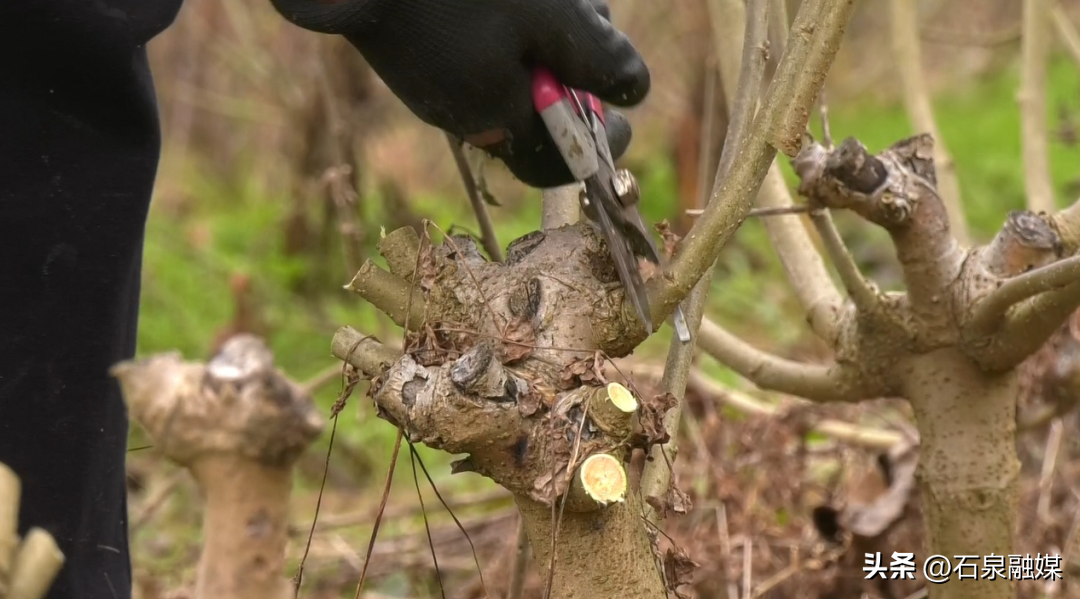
(250, 230)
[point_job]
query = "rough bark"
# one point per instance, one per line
(238, 424)
(949, 344)
(493, 376)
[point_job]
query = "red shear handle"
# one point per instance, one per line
(546, 90)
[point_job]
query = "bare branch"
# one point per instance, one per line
(805, 270)
(483, 219)
(1029, 326)
(521, 564)
(820, 24)
(656, 477)
(732, 200)
(863, 293)
(390, 294)
(1035, 49)
(779, 25)
(362, 352)
(895, 190)
(905, 43)
(837, 429)
(1066, 31)
(814, 382)
(1055, 276)
(561, 206)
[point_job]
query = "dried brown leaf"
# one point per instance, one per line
(428, 270)
(586, 371)
(669, 237)
(678, 570)
(530, 402)
(674, 501)
(652, 415)
(519, 340)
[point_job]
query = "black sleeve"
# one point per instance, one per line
(79, 145)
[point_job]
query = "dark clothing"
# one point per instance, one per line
(79, 146)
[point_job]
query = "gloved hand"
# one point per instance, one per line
(464, 66)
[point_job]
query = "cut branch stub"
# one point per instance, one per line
(239, 425)
(237, 404)
(878, 188)
(599, 480)
(474, 405)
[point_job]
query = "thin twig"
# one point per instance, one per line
(379, 514)
(734, 197)
(814, 382)
(847, 432)
(991, 311)
(656, 477)
(521, 564)
(705, 139)
(862, 291)
(158, 499)
(427, 527)
(1035, 49)
(823, 111)
(487, 231)
(795, 209)
(446, 506)
(1046, 475)
(1027, 326)
(322, 378)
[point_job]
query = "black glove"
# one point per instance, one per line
(464, 66)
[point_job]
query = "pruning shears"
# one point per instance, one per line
(575, 120)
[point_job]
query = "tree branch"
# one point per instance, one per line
(823, 22)
(863, 293)
(837, 429)
(732, 200)
(1029, 326)
(1035, 47)
(894, 189)
(656, 477)
(362, 352)
(487, 232)
(802, 263)
(905, 42)
(805, 270)
(991, 311)
(813, 382)
(561, 206)
(390, 294)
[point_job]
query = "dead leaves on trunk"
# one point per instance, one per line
(519, 340)
(678, 570)
(651, 416)
(586, 371)
(675, 501)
